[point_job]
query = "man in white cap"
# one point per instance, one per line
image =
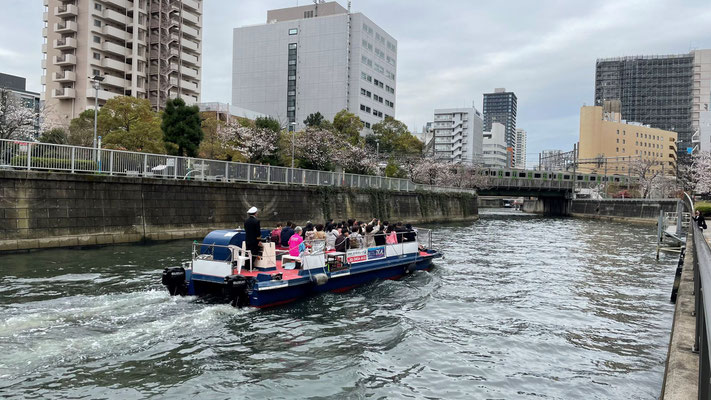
(253, 233)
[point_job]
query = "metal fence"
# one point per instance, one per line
(75, 159)
(702, 298)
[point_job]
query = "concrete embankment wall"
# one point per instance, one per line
(40, 210)
(634, 210)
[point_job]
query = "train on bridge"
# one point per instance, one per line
(504, 174)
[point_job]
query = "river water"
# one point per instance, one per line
(521, 307)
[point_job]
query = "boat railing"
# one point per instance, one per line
(206, 251)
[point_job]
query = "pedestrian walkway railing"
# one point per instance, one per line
(702, 300)
(76, 159)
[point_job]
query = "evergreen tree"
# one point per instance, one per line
(182, 131)
(267, 123)
(314, 120)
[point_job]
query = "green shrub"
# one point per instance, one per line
(703, 207)
(54, 163)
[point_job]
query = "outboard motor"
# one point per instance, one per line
(174, 280)
(236, 290)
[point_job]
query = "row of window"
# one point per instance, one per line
(373, 111)
(379, 38)
(643, 136)
(291, 84)
(377, 98)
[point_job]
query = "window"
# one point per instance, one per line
(391, 61)
(309, 14)
(292, 46)
(97, 56)
(366, 77)
(367, 125)
(379, 68)
(96, 72)
(97, 39)
(97, 6)
(293, 31)
(390, 75)
(97, 23)
(618, 140)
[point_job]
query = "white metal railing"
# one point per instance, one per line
(75, 159)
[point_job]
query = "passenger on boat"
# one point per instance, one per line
(355, 238)
(379, 236)
(276, 234)
(410, 234)
(253, 233)
(369, 236)
(342, 241)
(286, 233)
(400, 231)
(391, 235)
(309, 232)
(296, 242)
(319, 234)
(331, 236)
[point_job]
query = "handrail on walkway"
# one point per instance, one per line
(702, 298)
(77, 159)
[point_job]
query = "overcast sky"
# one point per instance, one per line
(451, 52)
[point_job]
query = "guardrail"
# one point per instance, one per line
(75, 159)
(702, 298)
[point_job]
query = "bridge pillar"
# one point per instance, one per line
(556, 206)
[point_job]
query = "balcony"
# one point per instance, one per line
(188, 85)
(65, 43)
(114, 48)
(66, 10)
(44, 63)
(190, 31)
(65, 27)
(114, 81)
(189, 58)
(192, 4)
(113, 64)
(118, 3)
(64, 93)
(103, 94)
(64, 76)
(44, 32)
(114, 16)
(43, 80)
(64, 59)
(114, 32)
(45, 16)
(44, 47)
(190, 17)
(190, 72)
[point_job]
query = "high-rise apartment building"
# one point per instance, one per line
(500, 107)
(520, 149)
(458, 135)
(669, 92)
(315, 58)
(148, 49)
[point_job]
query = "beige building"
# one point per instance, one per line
(609, 144)
(143, 48)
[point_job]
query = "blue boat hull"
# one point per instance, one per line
(274, 293)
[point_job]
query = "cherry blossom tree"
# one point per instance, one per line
(255, 144)
(701, 172)
(357, 160)
(317, 148)
(431, 172)
(16, 120)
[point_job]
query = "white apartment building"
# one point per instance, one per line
(458, 135)
(520, 149)
(315, 58)
(148, 49)
(496, 154)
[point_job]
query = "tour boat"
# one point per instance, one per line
(220, 270)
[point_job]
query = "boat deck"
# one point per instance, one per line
(289, 274)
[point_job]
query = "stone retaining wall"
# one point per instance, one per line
(54, 209)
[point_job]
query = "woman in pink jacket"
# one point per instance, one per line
(295, 242)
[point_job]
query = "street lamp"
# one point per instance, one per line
(96, 81)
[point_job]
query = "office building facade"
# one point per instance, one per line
(500, 107)
(458, 136)
(148, 49)
(609, 144)
(520, 149)
(315, 58)
(669, 92)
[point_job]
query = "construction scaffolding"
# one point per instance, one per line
(653, 90)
